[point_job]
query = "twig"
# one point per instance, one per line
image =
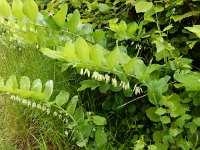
(131, 101)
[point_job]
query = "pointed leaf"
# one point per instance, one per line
(52, 54)
(82, 50)
(25, 83)
(17, 6)
(165, 119)
(113, 58)
(97, 55)
(100, 138)
(5, 9)
(135, 66)
(151, 114)
(30, 9)
(61, 15)
(36, 85)
(62, 98)
(71, 107)
(12, 82)
(79, 115)
(160, 111)
(143, 6)
(98, 120)
(69, 52)
(48, 90)
(72, 24)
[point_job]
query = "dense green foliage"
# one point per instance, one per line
(126, 72)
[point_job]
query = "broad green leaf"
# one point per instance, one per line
(197, 121)
(62, 98)
(72, 23)
(160, 111)
(61, 15)
(143, 6)
(152, 147)
(167, 28)
(17, 6)
(186, 15)
(113, 58)
(25, 83)
(69, 52)
(191, 80)
(100, 138)
(48, 90)
(97, 55)
(5, 9)
(1, 81)
(132, 28)
(52, 54)
(174, 131)
(139, 145)
(123, 26)
(151, 114)
(36, 85)
(195, 29)
(156, 88)
(98, 120)
(71, 107)
(103, 7)
(79, 115)
(82, 143)
(165, 119)
(82, 50)
(135, 66)
(93, 84)
(30, 9)
(75, 3)
(98, 36)
(12, 82)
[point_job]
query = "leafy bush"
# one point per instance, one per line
(134, 66)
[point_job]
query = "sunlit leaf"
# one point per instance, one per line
(30, 9)
(25, 83)
(98, 120)
(5, 9)
(100, 137)
(48, 90)
(62, 98)
(71, 107)
(72, 23)
(17, 6)
(69, 52)
(113, 58)
(61, 15)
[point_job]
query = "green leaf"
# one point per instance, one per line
(69, 52)
(167, 28)
(25, 83)
(82, 50)
(48, 90)
(98, 36)
(152, 147)
(36, 85)
(75, 3)
(165, 119)
(5, 9)
(79, 115)
(52, 54)
(139, 145)
(17, 6)
(12, 82)
(143, 6)
(136, 67)
(97, 55)
(30, 9)
(195, 29)
(61, 15)
(197, 121)
(93, 84)
(186, 15)
(132, 28)
(71, 107)
(174, 131)
(160, 111)
(103, 7)
(190, 80)
(151, 114)
(100, 138)
(98, 120)
(62, 98)
(72, 24)
(113, 58)
(123, 25)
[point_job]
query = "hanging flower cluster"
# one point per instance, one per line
(39, 106)
(106, 78)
